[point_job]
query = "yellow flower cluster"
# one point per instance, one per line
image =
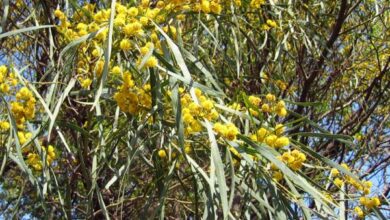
(293, 159)
(255, 4)
(339, 180)
(268, 106)
(4, 125)
(24, 136)
(193, 113)
(228, 130)
(359, 212)
(269, 24)
(207, 6)
(132, 99)
(370, 203)
(162, 153)
(152, 60)
(6, 80)
(35, 162)
(132, 25)
(281, 85)
(23, 108)
(272, 106)
(255, 102)
(271, 138)
(364, 188)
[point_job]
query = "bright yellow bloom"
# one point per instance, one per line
(205, 6)
(162, 154)
(207, 104)
(133, 11)
(334, 172)
(265, 108)
(277, 176)
(85, 83)
(270, 140)
(281, 142)
(4, 125)
(270, 97)
(271, 23)
(254, 100)
(261, 134)
(281, 112)
(116, 70)
(338, 182)
(279, 129)
(4, 88)
(151, 62)
(359, 212)
(125, 44)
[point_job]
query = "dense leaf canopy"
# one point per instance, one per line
(195, 109)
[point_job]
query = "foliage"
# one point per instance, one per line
(206, 109)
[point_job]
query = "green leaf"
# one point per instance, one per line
(23, 30)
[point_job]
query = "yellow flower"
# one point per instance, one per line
(133, 11)
(265, 108)
(24, 94)
(207, 104)
(377, 202)
(3, 70)
(125, 44)
(85, 83)
(359, 212)
(219, 128)
(270, 97)
(188, 118)
(334, 172)
(261, 134)
(59, 14)
(99, 68)
(4, 125)
(215, 7)
(4, 88)
(277, 176)
(279, 129)
(228, 131)
(50, 151)
(151, 62)
(161, 153)
(254, 112)
(144, 20)
(187, 149)
(345, 166)
(34, 161)
(254, 100)
(363, 200)
(270, 140)
(116, 70)
(256, 3)
(287, 158)
(280, 104)
(338, 182)
(271, 23)
(366, 191)
(205, 6)
(145, 3)
(281, 142)
(281, 112)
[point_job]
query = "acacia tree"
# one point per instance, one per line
(204, 109)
